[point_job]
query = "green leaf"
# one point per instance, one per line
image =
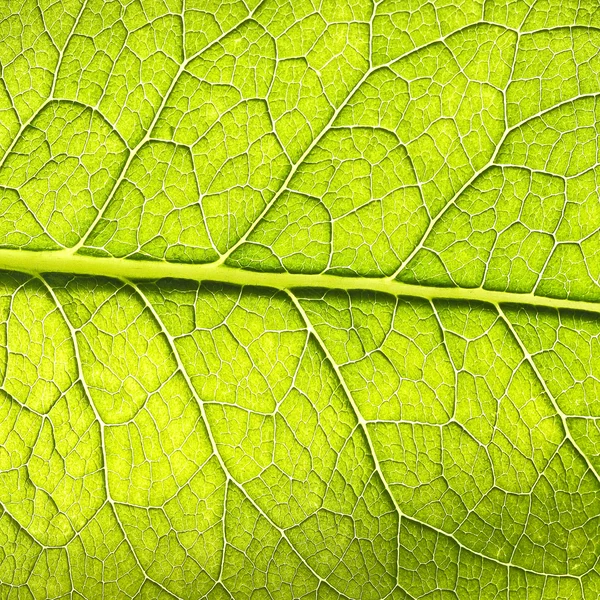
(299, 300)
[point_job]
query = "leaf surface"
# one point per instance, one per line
(299, 299)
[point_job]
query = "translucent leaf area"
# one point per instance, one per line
(300, 299)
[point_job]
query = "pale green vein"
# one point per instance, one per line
(65, 262)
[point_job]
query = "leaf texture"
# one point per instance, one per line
(299, 299)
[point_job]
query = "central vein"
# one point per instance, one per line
(65, 261)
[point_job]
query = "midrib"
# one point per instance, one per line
(65, 261)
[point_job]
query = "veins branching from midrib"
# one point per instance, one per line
(377, 465)
(148, 305)
(147, 269)
(108, 500)
(147, 136)
(294, 167)
(319, 136)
